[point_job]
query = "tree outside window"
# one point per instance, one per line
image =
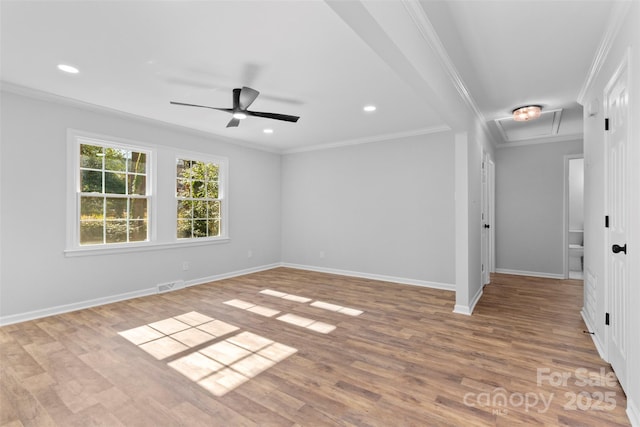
(198, 196)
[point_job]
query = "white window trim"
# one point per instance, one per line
(74, 139)
(73, 247)
(223, 174)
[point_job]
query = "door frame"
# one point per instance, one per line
(487, 251)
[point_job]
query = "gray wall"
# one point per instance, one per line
(384, 208)
(35, 273)
(530, 207)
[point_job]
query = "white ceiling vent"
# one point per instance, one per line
(545, 126)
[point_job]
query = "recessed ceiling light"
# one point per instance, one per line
(268, 131)
(239, 115)
(369, 108)
(68, 69)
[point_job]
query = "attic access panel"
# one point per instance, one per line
(546, 125)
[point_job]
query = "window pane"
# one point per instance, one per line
(200, 209)
(91, 207)
(114, 183)
(199, 228)
(91, 156)
(115, 159)
(184, 229)
(116, 208)
(185, 209)
(198, 189)
(214, 209)
(183, 168)
(183, 188)
(137, 184)
(214, 227)
(137, 230)
(91, 232)
(90, 181)
(116, 231)
(212, 189)
(138, 162)
(212, 172)
(137, 208)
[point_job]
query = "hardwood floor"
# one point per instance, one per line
(405, 360)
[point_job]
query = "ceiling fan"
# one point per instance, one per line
(242, 99)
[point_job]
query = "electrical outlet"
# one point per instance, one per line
(249, 253)
(185, 265)
(321, 254)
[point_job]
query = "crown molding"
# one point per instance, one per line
(71, 102)
(619, 11)
(370, 139)
(430, 36)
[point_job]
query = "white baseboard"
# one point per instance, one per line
(530, 273)
(633, 413)
(66, 308)
(231, 274)
(468, 309)
(595, 338)
(401, 280)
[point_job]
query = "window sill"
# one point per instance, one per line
(140, 247)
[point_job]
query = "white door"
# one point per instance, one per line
(616, 97)
(487, 219)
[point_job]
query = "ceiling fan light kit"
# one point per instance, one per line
(526, 113)
(242, 99)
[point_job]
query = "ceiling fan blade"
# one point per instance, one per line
(275, 116)
(233, 123)
(228, 110)
(247, 96)
(236, 99)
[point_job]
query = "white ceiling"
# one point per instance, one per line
(307, 58)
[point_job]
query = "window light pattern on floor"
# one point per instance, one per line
(314, 325)
(318, 304)
(219, 367)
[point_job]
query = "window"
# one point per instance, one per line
(199, 191)
(112, 193)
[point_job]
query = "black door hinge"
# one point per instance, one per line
(606, 221)
(606, 124)
(606, 319)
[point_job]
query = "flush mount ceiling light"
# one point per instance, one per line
(68, 69)
(268, 131)
(369, 108)
(529, 112)
(239, 115)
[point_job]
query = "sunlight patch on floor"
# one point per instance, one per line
(318, 304)
(219, 367)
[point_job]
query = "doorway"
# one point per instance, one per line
(574, 218)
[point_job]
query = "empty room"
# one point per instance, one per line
(319, 213)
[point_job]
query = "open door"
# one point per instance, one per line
(617, 176)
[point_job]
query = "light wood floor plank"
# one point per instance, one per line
(406, 360)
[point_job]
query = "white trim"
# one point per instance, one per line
(77, 137)
(430, 36)
(594, 337)
(633, 413)
(370, 139)
(141, 247)
(468, 310)
(50, 97)
(542, 140)
(380, 277)
(618, 13)
(217, 277)
(66, 308)
(530, 273)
